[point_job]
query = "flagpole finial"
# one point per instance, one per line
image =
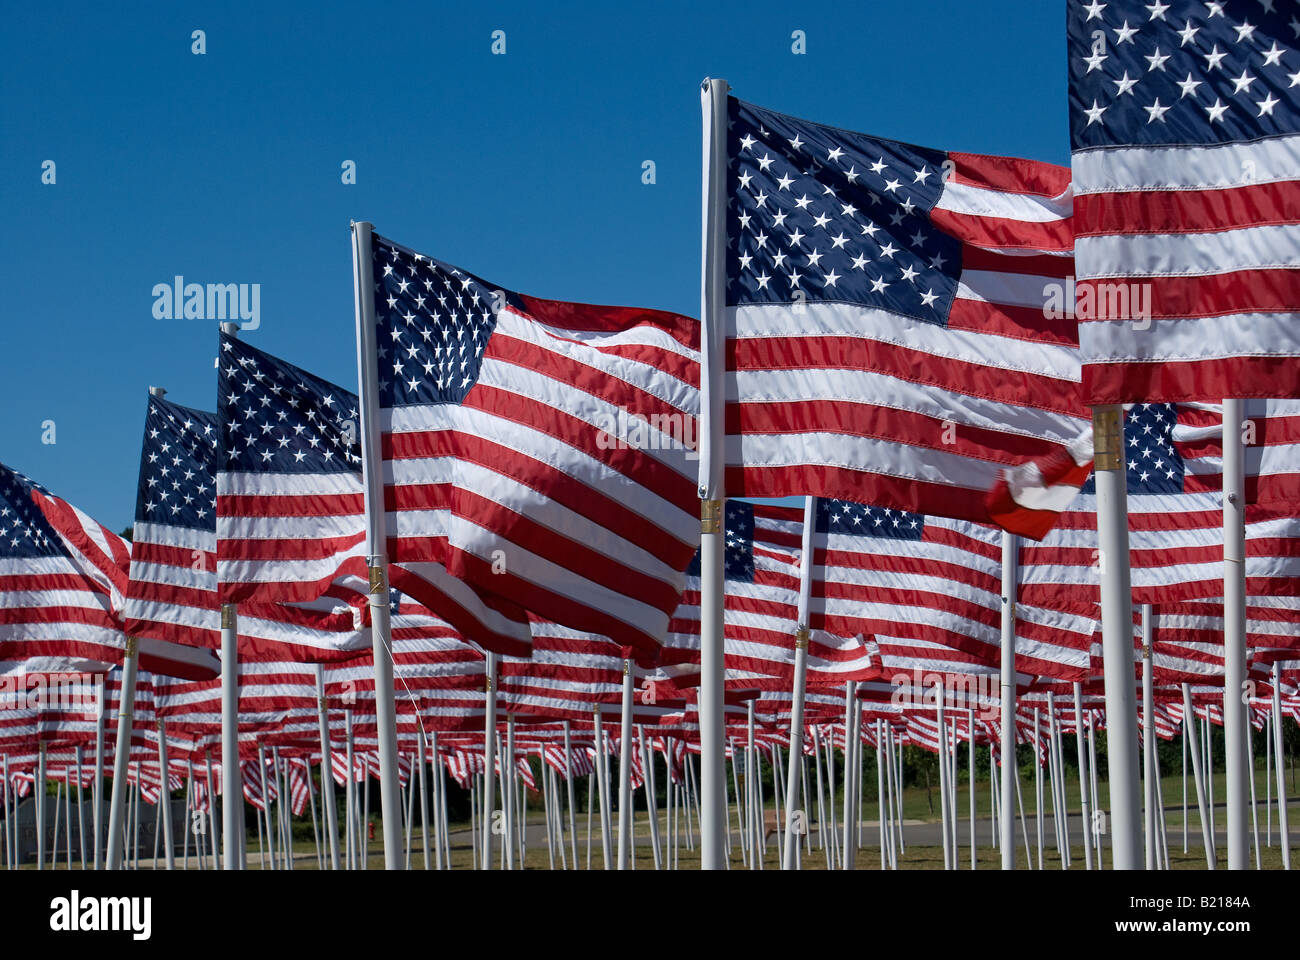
(157, 391)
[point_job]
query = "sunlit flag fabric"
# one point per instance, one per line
(55, 600)
(1185, 127)
(172, 591)
(887, 338)
(928, 589)
(763, 543)
(1174, 470)
(535, 450)
(289, 500)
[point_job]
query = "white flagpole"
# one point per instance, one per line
(1254, 809)
(380, 605)
(1038, 789)
(970, 763)
(944, 808)
(1148, 740)
(713, 788)
(121, 756)
(81, 813)
(568, 772)
(801, 637)
(1207, 827)
(212, 807)
(164, 801)
(421, 759)
(1010, 578)
(848, 855)
(648, 761)
(1234, 633)
(1083, 775)
(96, 795)
(625, 770)
(1117, 635)
(489, 759)
(327, 768)
(1284, 835)
(602, 782)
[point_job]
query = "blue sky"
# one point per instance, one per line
(525, 168)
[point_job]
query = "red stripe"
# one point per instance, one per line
(1206, 380)
(915, 496)
(1045, 265)
(1139, 212)
(1004, 233)
(1019, 323)
(1009, 174)
(1213, 295)
(295, 505)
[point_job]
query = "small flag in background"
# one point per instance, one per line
(54, 600)
(506, 463)
(1185, 127)
(888, 334)
(172, 594)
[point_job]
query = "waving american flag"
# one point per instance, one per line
(1185, 126)
(887, 334)
(508, 470)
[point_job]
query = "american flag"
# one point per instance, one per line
(290, 517)
(1174, 470)
(762, 554)
(928, 589)
(537, 452)
(1184, 120)
(172, 594)
(54, 600)
(886, 331)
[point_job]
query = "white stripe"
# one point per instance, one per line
(1191, 338)
(1188, 255)
(976, 201)
(1275, 159)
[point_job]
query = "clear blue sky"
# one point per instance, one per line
(525, 168)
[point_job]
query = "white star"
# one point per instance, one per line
(1294, 78)
(888, 250)
(835, 154)
(802, 202)
(878, 285)
(784, 181)
(1094, 62)
(764, 162)
(1124, 85)
(1242, 82)
(1094, 114)
(1245, 31)
(929, 297)
(831, 278)
(893, 185)
(1217, 111)
(1273, 56)
(747, 143)
(878, 165)
(938, 261)
(1213, 57)
(1094, 10)
(762, 279)
(1189, 85)
(1188, 33)
(909, 273)
(796, 143)
(1214, 7)
(1266, 105)
(1156, 60)
(859, 262)
(1157, 9)
(1124, 34)
(922, 175)
(1156, 112)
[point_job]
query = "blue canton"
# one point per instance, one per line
(1182, 72)
(821, 214)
